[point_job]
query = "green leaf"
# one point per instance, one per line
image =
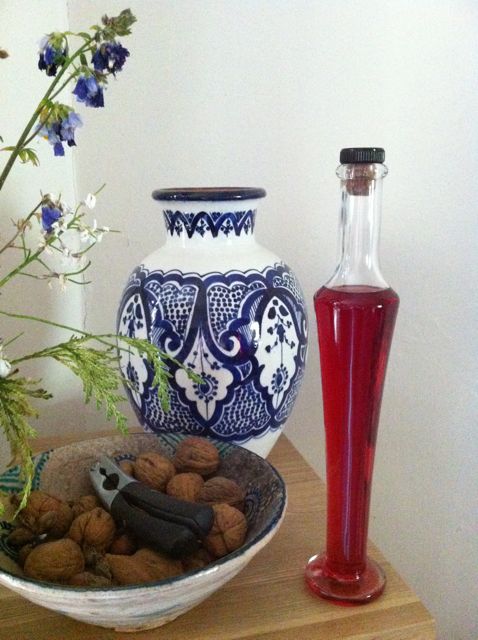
(28, 155)
(83, 59)
(33, 157)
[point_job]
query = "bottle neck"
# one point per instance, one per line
(359, 231)
(211, 224)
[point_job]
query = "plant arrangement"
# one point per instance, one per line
(54, 229)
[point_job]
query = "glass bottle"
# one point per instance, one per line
(356, 311)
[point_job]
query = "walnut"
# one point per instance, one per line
(154, 470)
(127, 570)
(88, 579)
(160, 566)
(185, 486)
(123, 545)
(46, 522)
(38, 503)
(128, 467)
(84, 504)
(55, 561)
(34, 515)
(55, 523)
(228, 531)
(93, 529)
(219, 489)
(198, 560)
(197, 455)
(24, 553)
(144, 566)
(96, 562)
(20, 537)
(64, 518)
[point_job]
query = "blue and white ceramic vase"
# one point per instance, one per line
(227, 308)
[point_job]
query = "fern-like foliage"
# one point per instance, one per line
(99, 371)
(15, 410)
(159, 362)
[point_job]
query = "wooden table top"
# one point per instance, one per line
(268, 600)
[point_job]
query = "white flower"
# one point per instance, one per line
(45, 246)
(100, 232)
(85, 234)
(97, 232)
(92, 234)
(62, 281)
(90, 201)
(5, 368)
(58, 227)
(67, 210)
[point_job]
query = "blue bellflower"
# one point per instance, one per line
(49, 215)
(68, 126)
(50, 57)
(89, 91)
(61, 131)
(110, 57)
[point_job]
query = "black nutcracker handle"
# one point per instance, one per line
(197, 517)
(174, 539)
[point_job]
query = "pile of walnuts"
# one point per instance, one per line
(78, 543)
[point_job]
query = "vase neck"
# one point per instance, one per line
(197, 223)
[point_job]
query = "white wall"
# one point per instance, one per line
(266, 92)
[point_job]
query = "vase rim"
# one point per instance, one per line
(209, 194)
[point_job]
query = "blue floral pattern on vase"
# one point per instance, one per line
(244, 333)
(213, 223)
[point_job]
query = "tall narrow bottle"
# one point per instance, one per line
(356, 311)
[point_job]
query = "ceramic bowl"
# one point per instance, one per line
(63, 472)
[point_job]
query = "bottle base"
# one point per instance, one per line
(344, 590)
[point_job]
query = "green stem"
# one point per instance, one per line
(28, 260)
(6, 344)
(52, 97)
(36, 132)
(77, 273)
(32, 275)
(22, 139)
(90, 336)
(102, 338)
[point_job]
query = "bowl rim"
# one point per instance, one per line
(194, 573)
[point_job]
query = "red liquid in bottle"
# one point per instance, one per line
(355, 325)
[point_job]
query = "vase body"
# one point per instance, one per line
(226, 308)
(356, 312)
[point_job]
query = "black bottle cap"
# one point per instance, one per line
(356, 155)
